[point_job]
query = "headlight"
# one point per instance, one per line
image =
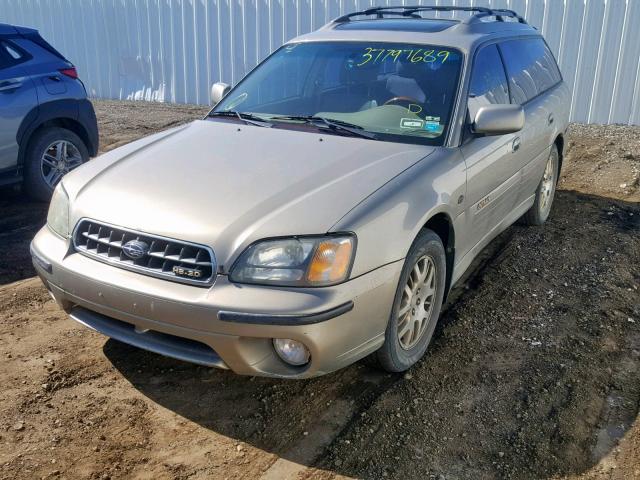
(58, 216)
(299, 261)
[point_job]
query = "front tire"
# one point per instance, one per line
(416, 306)
(52, 152)
(539, 211)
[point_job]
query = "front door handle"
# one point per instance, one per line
(8, 86)
(550, 119)
(515, 145)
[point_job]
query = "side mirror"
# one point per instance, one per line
(498, 119)
(218, 91)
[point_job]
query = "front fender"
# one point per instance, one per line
(388, 221)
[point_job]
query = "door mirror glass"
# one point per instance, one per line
(218, 91)
(498, 119)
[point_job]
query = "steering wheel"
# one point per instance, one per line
(409, 100)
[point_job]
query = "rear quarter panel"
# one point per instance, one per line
(559, 102)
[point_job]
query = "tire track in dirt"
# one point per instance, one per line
(332, 423)
(520, 379)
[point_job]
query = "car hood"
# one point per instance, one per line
(226, 184)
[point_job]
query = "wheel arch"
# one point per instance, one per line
(560, 144)
(59, 113)
(442, 225)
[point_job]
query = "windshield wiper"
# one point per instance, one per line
(338, 125)
(248, 118)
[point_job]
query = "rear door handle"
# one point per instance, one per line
(55, 78)
(515, 145)
(8, 86)
(550, 119)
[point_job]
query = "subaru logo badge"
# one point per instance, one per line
(135, 249)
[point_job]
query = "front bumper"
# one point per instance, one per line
(227, 325)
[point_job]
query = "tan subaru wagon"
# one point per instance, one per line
(321, 212)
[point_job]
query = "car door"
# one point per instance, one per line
(532, 72)
(17, 98)
(492, 172)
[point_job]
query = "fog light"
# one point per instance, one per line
(291, 351)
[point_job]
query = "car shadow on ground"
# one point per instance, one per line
(532, 371)
(20, 220)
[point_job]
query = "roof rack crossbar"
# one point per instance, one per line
(499, 13)
(413, 12)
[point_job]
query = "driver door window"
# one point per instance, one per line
(488, 82)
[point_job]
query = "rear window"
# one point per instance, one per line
(531, 68)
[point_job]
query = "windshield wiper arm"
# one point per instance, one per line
(245, 117)
(338, 125)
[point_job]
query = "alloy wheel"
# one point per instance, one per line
(548, 186)
(416, 305)
(58, 159)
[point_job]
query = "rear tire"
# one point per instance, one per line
(52, 152)
(416, 306)
(541, 208)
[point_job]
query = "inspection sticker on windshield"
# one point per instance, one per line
(411, 123)
(432, 124)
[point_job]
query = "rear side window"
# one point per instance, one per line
(531, 68)
(5, 60)
(11, 54)
(488, 80)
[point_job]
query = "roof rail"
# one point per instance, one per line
(414, 12)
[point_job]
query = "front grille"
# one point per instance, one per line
(166, 258)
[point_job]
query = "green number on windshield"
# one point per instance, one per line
(366, 56)
(376, 55)
(428, 56)
(444, 54)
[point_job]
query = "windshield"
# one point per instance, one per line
(399, 92)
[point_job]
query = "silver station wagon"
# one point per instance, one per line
(323, 209)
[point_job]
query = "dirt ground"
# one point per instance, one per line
(533, 372)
